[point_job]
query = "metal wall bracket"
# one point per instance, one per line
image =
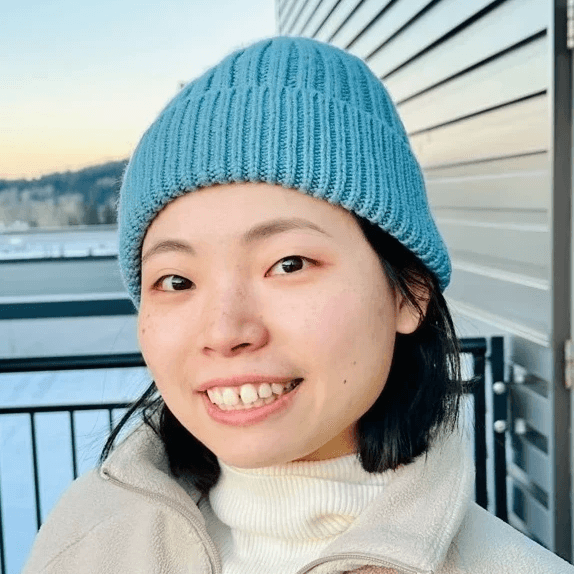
(570, 24)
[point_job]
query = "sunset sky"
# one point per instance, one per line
(81, 81)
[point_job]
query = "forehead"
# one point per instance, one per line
(231, 208)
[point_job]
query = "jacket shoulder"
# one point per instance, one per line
(100, 527)
(485, 544)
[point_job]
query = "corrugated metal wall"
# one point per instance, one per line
(471, 80)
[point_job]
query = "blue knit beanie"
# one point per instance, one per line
(289, 111)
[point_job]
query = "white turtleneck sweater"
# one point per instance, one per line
(279, 518)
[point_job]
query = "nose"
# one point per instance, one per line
(231, 323)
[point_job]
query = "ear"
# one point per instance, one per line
(408, 317)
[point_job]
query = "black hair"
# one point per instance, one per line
(420, 399)
(424, 387)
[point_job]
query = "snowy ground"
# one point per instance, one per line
(53, 434)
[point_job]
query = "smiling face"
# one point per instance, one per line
(258, 281)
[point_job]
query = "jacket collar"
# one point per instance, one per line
(140, 462)
(420, 511)
(412, 523)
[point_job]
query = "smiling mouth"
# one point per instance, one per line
(250, 396)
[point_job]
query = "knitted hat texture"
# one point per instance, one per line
(289, 111)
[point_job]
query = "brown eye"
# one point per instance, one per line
(291, 264)
(173, 283)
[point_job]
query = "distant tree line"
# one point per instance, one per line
(84, 197)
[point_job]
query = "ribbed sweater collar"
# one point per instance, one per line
(298, 501)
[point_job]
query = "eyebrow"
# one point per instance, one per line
(254, 235)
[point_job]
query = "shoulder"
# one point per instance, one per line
(98, 526)
(485, 544)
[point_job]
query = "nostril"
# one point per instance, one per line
(241, 346)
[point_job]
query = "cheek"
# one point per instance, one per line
(161, 340)
(351, 330)
(336, 321)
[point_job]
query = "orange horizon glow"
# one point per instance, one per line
(36, 166)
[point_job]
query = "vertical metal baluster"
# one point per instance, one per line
(2, 548)
(480, 429)
(111, 419)
(73, 440)
(36, 473)
(500, 417)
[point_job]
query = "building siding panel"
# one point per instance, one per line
(508, 24)
(430, 27)
(517, 184)
(337, 18)
(520, 73)
(521, 304)
(516, 129)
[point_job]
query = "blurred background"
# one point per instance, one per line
(484, 89)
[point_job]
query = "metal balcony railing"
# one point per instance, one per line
(476, 347)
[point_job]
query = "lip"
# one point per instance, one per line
(243, 380)
(242, 418)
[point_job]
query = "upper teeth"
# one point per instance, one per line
(247, 393)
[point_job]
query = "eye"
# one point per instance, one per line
(173, 283)
(291, 264)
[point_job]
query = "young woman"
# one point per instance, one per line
(276, 239)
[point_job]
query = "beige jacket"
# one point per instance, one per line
(132, 516)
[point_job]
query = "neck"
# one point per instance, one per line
(342, 445)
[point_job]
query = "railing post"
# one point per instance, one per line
(36, 473)
(2, 547)
(73, 441)
(480, 428)
(500, 418)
